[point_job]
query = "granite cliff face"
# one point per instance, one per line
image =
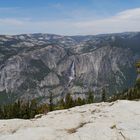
(37, 65)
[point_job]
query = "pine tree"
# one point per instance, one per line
(103, 95)
(1, 113)
(90, 98)
(33, 108)
(25, 110)
(61, 104)
(69, 101)
(16, 110)
(138, 71)
(79, 101)
(51, 106)
(43, 109)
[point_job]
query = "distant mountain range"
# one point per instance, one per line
(37, 65)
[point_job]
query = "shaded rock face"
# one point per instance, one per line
(37, 65)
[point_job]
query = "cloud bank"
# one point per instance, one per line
(128, 20)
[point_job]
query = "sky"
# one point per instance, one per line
(69, 17)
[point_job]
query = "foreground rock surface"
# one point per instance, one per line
(119, 120)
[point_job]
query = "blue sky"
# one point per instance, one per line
(69, 17)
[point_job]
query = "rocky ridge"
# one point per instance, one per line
(37, 65)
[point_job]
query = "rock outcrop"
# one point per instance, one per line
(103, 121)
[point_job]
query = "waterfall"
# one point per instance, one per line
(72, 72)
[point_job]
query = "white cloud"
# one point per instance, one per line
(11, 22)
(9, 9)
(56, 5)
(128, 20)
(130, 14)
